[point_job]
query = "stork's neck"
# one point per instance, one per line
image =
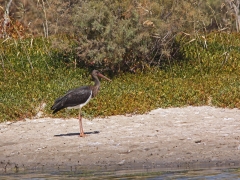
(95, 87)
(96, 81)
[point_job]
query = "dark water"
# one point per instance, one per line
(210, 174)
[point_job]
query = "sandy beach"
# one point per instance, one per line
(188, 137)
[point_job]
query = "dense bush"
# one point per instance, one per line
(108, 38)
(131, 35)
(120, 35)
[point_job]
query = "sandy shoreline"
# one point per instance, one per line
(189, 137)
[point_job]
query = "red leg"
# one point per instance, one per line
(80, 125)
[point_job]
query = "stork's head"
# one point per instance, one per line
(96, 73)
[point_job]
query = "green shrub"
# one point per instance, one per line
(107, 38)
(130, 35)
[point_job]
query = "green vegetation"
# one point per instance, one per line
(206, 75)
(130, 35)
(118, 35)
(158, 53)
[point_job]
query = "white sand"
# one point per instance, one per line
(189, 137)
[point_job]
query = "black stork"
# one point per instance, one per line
(79, 97)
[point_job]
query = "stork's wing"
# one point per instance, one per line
(72, 98)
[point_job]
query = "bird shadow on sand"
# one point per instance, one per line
(76, 134)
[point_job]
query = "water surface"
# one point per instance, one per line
(211, 174)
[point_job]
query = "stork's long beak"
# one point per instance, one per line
(104, 77)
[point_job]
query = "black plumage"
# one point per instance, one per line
(79, 97)
(72, 98)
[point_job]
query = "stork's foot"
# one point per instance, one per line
(82, 135)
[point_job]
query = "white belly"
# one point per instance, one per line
(81, 105)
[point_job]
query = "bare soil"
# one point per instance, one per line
(188, 137)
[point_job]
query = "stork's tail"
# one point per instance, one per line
(57, 106)
(56, 110)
